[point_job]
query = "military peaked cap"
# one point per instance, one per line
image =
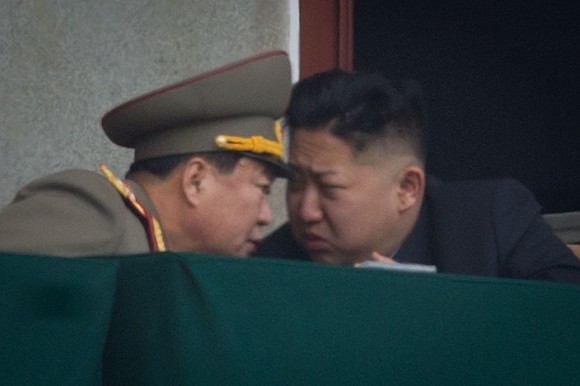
(232, 108)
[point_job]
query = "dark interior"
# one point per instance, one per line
(501, 83)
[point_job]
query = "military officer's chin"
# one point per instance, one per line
(249, 248)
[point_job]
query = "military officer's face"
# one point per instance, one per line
(233, 208)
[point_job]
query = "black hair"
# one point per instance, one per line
(363, 107)
(224, 161)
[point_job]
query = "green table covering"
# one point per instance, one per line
(178, 319)
(54, 318)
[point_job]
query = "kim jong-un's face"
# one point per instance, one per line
(343, 206)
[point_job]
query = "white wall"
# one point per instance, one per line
(64, 63)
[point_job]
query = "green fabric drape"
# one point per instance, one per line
(54, 319)
(180, 319)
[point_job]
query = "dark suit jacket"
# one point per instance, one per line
(489, 228)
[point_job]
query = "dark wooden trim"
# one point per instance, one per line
(345, 34)
(326, 31)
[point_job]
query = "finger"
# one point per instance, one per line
(380, 258)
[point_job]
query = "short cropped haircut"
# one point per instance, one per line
(364, 107)
(224, 161)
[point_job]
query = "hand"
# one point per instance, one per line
(381, 259)
(375, 256)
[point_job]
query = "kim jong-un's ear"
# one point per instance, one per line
(411, 185)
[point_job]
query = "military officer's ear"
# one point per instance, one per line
(411, 186)
(194, 177)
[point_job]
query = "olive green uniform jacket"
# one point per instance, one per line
(73, 213)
